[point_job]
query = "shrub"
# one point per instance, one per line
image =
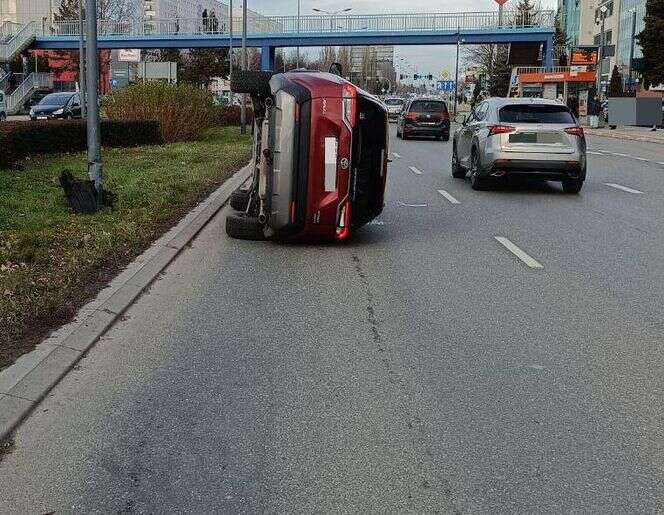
(184, 111)
(22, 139)
(230, 116)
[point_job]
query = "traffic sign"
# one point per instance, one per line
(445, 85)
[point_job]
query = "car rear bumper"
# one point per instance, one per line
(438, 130)
(549, 170)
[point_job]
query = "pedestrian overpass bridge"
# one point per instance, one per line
(271, 32)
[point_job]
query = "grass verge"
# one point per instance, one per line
(52, 261)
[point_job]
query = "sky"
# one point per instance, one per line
(427, 59)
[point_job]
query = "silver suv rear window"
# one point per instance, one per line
(536, 114)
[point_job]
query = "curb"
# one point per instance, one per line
(25, 383)
(627, 137)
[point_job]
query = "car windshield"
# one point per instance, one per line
(536, 114)
(55, 100)
(428, 106)
(394, 101)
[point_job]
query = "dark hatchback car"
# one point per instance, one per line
(424, 117)
(65, 106)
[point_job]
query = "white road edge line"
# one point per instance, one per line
(623, 188)
(528, 260)
(449, 197)
(396, 155)
(415, 170)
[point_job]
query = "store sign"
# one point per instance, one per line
(129, 55)
(575, 70)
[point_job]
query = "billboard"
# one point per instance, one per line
(583, 55)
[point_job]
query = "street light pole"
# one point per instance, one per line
(600, 54)
(230, 40)
(93, 122)
(298, 36)
(243, 107)
(631, 49)
(81, 60)
(456, 72)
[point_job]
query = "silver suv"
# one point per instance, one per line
(530, 137)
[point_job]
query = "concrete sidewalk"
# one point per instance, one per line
(629, 133)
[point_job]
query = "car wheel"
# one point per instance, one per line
(446, 137)
(476, 182)
(239, 200)
(398, 134)
(3, 117)
(69, 116)
(252, 82)
(572, 185)
(457, 171)
(243, 227)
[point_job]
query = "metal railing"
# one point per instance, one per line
(33, 82)
(313, 24)
(17, 41)
(541, 69)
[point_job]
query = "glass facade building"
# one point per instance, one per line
(627, 7)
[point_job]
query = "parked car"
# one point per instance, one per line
(532, 137)
(394, 106)
(424, 117)
(321, 157)
(33, 100)
(57, 105)
(3, 106)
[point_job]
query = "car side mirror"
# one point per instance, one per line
(336, 69)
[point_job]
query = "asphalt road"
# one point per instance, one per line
(422, 367)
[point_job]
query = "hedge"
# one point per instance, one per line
(19, 140)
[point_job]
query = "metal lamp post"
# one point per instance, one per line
(81, 60)
(332, 14)
(600, 54)
(456, 72)
(243, 107)
(298, 36)
(93, 122)
(230, 40)
(631, 50)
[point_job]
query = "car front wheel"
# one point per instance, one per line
(572, 185)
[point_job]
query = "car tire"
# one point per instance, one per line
(572, 186)
(239, 200)
(69, 117)
(252, 82)
(3, 117)
(457, 171)
(243, 227)
(398, 134)
(446, 137)
(476, 182)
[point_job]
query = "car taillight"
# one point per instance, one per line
(500, 129)
(343, 225)
(411, 117)
(445, 116)
(349, 104)
(575, 131)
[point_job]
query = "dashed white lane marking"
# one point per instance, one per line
(592, 152)
(660, 163)
(396, 155)
(449, 197)
(623, 188)
(607, 153)
(412, 205)
(528, 260)
(415, 170)
(639, 158)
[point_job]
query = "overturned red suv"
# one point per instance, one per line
(320, 157)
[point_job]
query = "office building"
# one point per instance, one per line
(624, 36)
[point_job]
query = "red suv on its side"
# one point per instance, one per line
(320, 159)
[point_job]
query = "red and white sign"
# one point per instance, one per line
(501, 2)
